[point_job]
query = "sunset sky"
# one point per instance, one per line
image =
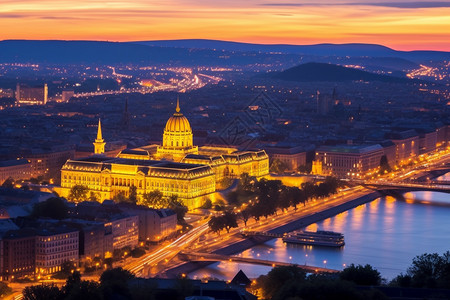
(403, 25)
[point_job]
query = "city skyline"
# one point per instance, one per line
(402, 25)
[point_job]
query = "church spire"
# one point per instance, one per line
(99, 132)
(178, 105)
(99, 144)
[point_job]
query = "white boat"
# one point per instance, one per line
(315, 238)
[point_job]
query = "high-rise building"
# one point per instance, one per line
(31, 95)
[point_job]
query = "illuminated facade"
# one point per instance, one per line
(176, 167)
(16, 169)
(349, 161)
(54, 247)
(31, 95)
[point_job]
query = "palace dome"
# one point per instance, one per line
(178, 123)
(178, 132)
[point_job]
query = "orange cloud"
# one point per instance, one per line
(403, 25)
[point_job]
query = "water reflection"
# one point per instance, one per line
(385, 233)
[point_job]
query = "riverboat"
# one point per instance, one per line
(315, 238)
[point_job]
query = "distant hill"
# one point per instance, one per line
(75, 52)
(333, 73)
(78, 52)
(320, 49)
(371, 50)
(209, 52)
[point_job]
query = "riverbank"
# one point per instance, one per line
(291, 226)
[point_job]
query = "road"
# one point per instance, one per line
(167, 252)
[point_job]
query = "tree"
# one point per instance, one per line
(323, 287)
(246, 182)
(93, 197)
(230, 220)
(86, 290)
(183, 287)
(42, 292)
(120, 197)
(268, 196)
(426, 270)
(402, 280)
(67, 268)
(215, 224)
(306, 168)
(309, 189)
(114, 284)
(256, 211)
(54, 208)
(178, 207)
(132, 198)
(75, 288)
(233, 198)
(155, 199)
(78, 193)
(361, 275)
(4, 289)
(285, 199)
(278, 166)
(384, 165)
(8, 183)
(137, 252)
(73, 280)
(207, 204)
(277, 277)
(245, 215)
(116, 274)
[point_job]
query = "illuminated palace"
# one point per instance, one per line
(176, 167)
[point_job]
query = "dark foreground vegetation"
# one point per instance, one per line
(429, 275)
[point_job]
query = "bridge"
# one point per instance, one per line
(412, 186)
(194, 256)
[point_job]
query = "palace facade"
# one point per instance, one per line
(176, 167)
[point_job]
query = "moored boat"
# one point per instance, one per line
(315, 238)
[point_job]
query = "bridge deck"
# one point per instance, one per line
(217, 257)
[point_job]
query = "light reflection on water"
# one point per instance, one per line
(385, 233)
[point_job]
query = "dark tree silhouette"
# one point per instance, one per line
(78, 193)
(54, 208)
(361, 275)
(42, 292)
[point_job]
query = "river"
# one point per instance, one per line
(385, 233)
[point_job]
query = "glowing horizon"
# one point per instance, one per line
(401, 25)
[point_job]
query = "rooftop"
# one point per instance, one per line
(350, 148)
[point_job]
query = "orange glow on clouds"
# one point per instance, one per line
(405, 25)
